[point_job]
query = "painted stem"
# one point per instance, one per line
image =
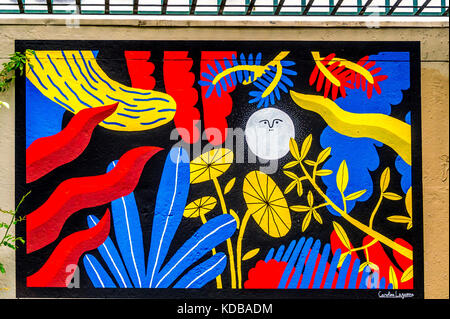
(365, 246)
(229, 245)
(375, 211)
(239, 247)
(369, 231)
(213, 251)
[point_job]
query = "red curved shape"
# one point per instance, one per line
(47, 153)
(44, 224)
(215, 108)
(403, 261)
(140, 69)
(55, 272)
(380, 258)
(266, 275)
(178, 81)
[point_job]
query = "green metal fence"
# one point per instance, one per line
(230, 7)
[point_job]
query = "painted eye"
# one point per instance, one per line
(276, 122)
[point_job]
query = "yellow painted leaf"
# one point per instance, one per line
(399, 219)
(402, 220)
(342, 235)
(290, 175)
(317, 216)
(266, 204)
(290, 187)
(323, 155)
(299, 208)
(324, 172)
(310, 163)
(238, 221)
(363, 265)
(342, 259)
(306, 146)
(391, 196)
(342, 177)
(299, 188)
(250, 254)
(408, 202)
(294, 149)
(407, 275)
(355, 195)
(290, 164)
(393, 278)
(306, 221)
(210, 165)
(199, 207)
(385, 179)
(229, 185)
(310, 198)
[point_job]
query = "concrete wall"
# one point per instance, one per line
(435, 96)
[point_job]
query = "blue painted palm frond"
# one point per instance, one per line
(98, 275)
(125, 258)
(203, 273)
(299, 271)
(269, 77)
(249, 70)
(206, 238)
(170, 202)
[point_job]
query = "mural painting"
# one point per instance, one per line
(254, 168)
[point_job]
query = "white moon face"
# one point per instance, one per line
(268, 132)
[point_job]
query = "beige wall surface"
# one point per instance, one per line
(433, 39)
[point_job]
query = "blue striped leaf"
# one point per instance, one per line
(203, 273)
(97, 274)
(111, 256)
(169, 207)
(214, 232)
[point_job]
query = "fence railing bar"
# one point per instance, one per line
(106, 6)
(193, 6)
(424, 5)
(279, 7)
(164, 7)
(308, 6)
(222, 6)
(364, 8)
(49, 6)
(250, 7)
(395, 6)
(20, 3)
(336, 7)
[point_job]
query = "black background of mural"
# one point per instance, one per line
(106, 146)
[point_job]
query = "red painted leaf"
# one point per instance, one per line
(215, 108)
(56, 270)
(140, 69)
(47, 153)
(44, 224)
(179, 82)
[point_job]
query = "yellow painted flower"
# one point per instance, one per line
(266, 204)
(200, 207)
(210, 165)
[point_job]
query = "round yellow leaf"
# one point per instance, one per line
(210, 165)
(199, 207)
(267, 204)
